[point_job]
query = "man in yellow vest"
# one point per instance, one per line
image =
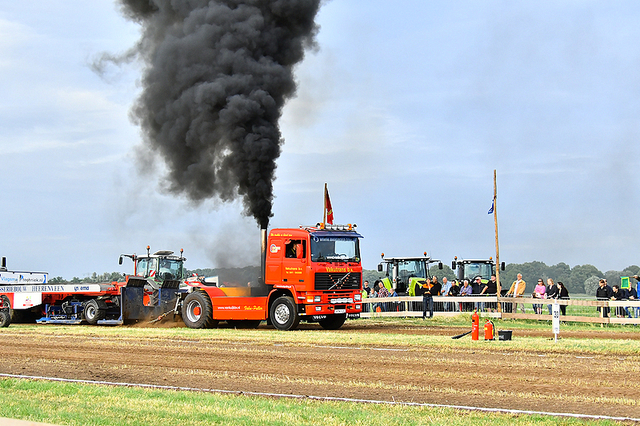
(517, 290)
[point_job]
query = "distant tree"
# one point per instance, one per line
(579, 275)
(630, 271)
(560, 272)
(371, 275)
(591, 285)
(57, 280)
(75, 280)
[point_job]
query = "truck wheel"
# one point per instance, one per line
(197, 311)
(283, 314)
(333, 322)
(5, 318)
(93, 313)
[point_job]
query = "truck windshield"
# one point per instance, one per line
(335, 249)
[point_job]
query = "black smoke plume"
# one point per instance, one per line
(216, 76)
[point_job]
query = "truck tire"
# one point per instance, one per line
(5, 318)
(333, 322)
(197, 311)
(93, 313)
(283, 314)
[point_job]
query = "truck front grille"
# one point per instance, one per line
(338, 281)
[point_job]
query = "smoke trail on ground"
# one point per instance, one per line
(217, 74)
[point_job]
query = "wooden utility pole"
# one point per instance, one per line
(495, 221)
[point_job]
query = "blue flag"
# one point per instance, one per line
(491, 209)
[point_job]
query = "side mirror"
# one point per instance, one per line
(453, 264)
(120, 261)
(379, 267)
(440, 265)
(502, 266)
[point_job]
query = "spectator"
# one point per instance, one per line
(476, 289)
(366, 288)
(432, 289)
(465, 290)
(603, 292)
(618, 295)
(517, 290)
(491, 289)
(551, 292)
(434, 282)
(454, 291)
(563, 294)
(632, 295)
(539, 292)
(446, 286)
(382, 292)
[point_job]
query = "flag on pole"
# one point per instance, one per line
(328, 210)
(491, 209)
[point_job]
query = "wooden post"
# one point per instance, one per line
(495, 220)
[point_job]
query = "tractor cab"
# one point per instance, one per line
(159, 269)
(468, 269)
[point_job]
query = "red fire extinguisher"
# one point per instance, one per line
(489, 330)
(475, 326)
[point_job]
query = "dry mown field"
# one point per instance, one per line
(359, 361)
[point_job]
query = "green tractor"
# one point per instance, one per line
(406, 273)
(469, 269)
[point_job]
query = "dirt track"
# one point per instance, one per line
(489, 375)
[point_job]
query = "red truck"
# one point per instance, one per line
(312, 274)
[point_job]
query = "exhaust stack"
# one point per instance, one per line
(4, 264)
(263, 253)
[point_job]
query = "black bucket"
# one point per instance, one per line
(504, 334)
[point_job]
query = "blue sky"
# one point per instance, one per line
(405, 110)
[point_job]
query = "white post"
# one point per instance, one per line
(555, 310)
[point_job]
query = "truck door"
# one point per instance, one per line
(295, 255)
(275, 253)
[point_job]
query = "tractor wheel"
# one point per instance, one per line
(333, 322)
(93, 313)
(283, 314)
(197, 311)
(5, 318)
(245, 324)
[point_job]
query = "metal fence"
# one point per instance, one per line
(591, 311)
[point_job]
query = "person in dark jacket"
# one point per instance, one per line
(603, 292)
(632, 294)
(552, 292)
(618, 294)
(563, 293)
(432, 289)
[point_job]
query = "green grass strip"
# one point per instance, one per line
(80, 404)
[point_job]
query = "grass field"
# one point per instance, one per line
(77, 404)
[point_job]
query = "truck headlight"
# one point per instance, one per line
(357, 297)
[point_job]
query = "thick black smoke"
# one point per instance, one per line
(217, 75)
